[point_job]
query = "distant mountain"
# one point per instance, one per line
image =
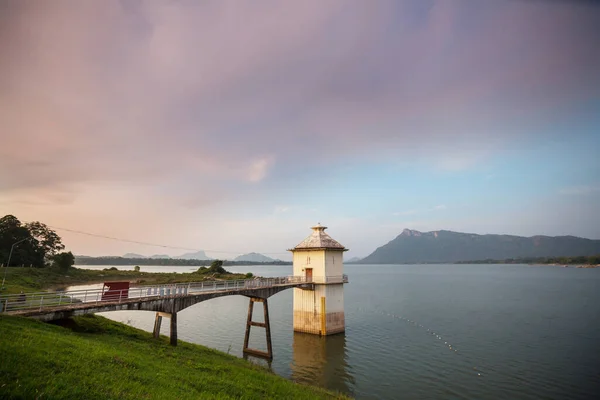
(254, 257)
(161, 256)
(133, 255)
(446, 246)
(198, 255)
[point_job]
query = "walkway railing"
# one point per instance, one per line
(328, 279)
(42, 300)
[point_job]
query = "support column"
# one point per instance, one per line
(173, 326)
(323, 317)
(249, 323)
(173, 340)
(268, 329)
(157, 322)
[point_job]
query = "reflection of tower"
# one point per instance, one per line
(321, 361)
(320, 259)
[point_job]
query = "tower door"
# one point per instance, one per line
(308, 274)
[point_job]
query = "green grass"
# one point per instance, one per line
(38, 279)
(91, 357)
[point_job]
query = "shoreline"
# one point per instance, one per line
(584, 266)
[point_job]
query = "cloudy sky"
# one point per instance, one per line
(233, 126)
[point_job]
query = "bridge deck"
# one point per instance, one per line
(165, 298)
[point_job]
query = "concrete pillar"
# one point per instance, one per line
(249, 323)
(319, 311)
(173, 340)
(157, 322)
(268, 329)
(173, 326)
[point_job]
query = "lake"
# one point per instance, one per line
(425, 331)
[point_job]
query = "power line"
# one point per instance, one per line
(151, 244)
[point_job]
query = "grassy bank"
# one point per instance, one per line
(95, 358)
(37, 279)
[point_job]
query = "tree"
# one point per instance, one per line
(48, 240)
(136, 268)
(26, 252)
(64, 260)
(217, 267)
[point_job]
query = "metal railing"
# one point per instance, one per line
(328, 279)
(42, 300)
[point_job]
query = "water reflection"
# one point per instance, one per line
(322, 361)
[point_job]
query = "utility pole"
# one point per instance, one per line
(8, 263)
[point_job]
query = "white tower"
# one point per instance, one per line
(320, 259)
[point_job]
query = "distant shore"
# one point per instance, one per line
(566, 262)
(167, 262)
(568, 265)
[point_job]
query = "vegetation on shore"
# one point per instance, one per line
(37, 279)
(580, 260)
(91, 357)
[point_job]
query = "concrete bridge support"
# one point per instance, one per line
(158, 322)
(249, 323)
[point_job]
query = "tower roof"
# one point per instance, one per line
(318, 239)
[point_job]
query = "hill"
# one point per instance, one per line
(198, 255)
(158, 256)
(254, 257)
(446, 246)
(132, 255)
(95, 358)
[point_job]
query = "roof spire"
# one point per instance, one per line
(318, 227)
(319, 240)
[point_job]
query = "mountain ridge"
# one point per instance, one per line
(254, 257)
(197, 255)
(412, 246)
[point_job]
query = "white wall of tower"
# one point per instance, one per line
(322, 262)
(308, 314)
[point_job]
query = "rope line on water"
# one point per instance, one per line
(437, 335)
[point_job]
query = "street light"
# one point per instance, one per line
(9, 256)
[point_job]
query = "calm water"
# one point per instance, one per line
(427, 332)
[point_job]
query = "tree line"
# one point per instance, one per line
(110, 260)
(33, 244)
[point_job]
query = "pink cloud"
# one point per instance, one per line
(230, 91)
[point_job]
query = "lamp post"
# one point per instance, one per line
(8, 263)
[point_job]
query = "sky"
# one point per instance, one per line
(234, 126)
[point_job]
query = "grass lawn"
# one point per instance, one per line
(91, 357)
